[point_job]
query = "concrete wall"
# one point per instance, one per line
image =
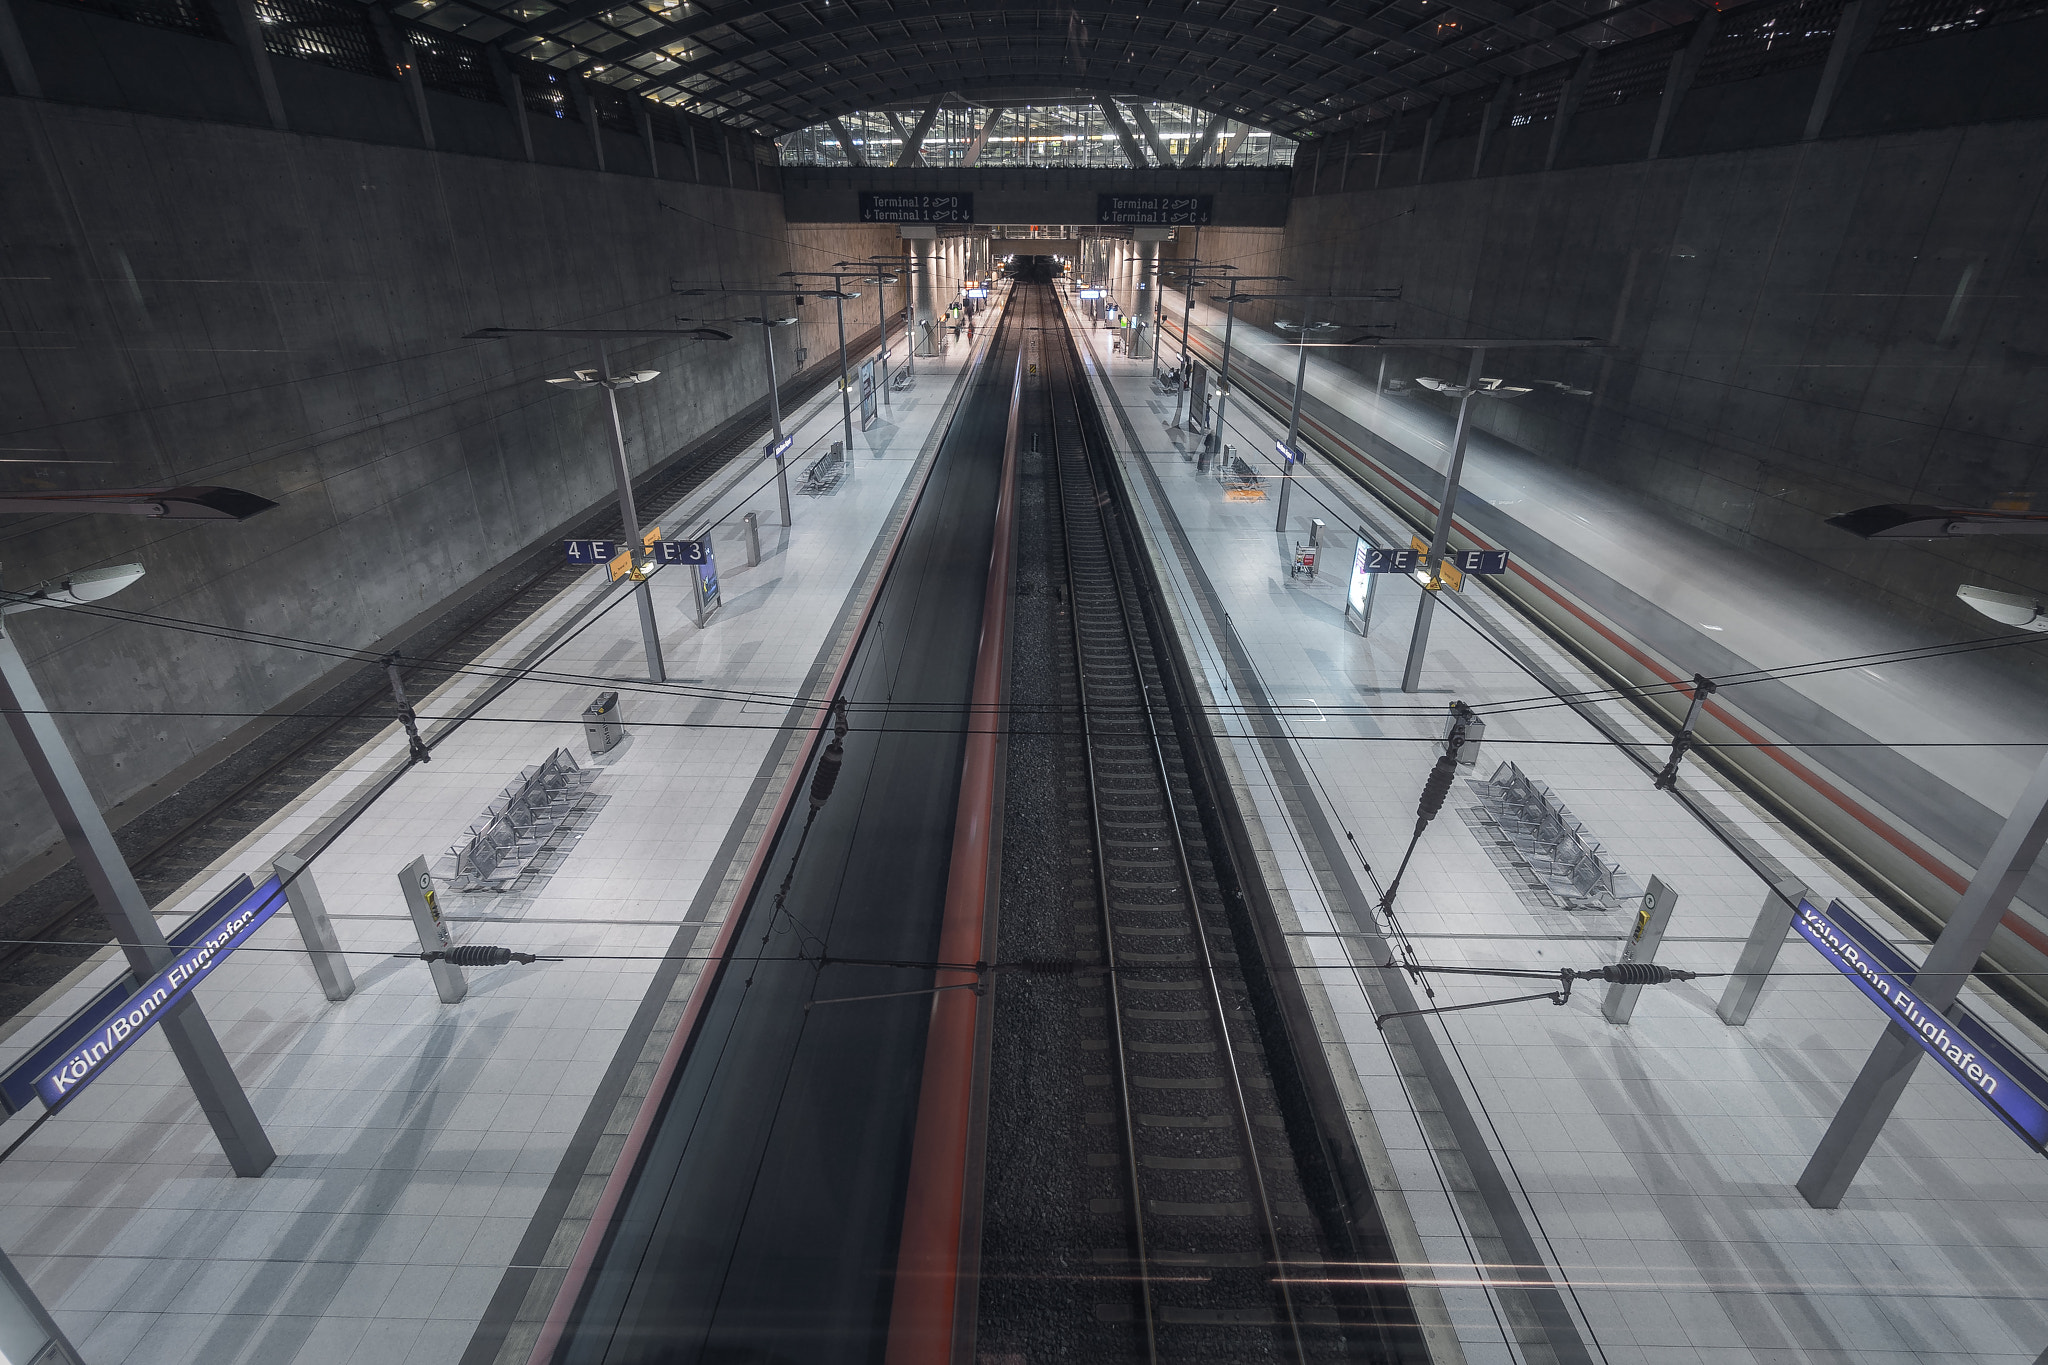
(1798, 330)
(196, 302)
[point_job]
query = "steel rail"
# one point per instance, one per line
(1148, 711)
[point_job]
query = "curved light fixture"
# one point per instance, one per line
(2006, 608)
(199, 502)
(87, 585)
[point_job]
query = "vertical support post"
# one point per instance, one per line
(751, 524)
(775, 415)
(21, 71)
(418, 886)
(1430, 131)
(1418, 642)
(1294, 417)
(650, 634)
(113, 886)
(1760, 953)
(586, 105)
(512, 91)
(404, 63)
(854, 155)
(316, 931)
(1653, 913)
(1685, 63)
(1496, 111)
(1937, 984)
(845, 372)
(1854, 29)
(39, 1339)
(1568, 105)
(248, 30)
(647, 137)
(1215, 438)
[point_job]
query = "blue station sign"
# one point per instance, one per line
(84, 1053)
(682, 551)
(2006, 1083)
(590, 551)
(778, 449)
(1289, 456)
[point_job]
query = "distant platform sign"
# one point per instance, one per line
(916, 208)
(589, 551)
(1153, 210)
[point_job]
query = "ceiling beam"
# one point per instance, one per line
(995, 116)
(1258, 94)
(854, 155)
(1200, 151)
(913, 146)
(1152, 138)
(1133, 153)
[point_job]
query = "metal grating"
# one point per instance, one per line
(325, 32)
(1537, 97)
(1913, 21)
(452, 65)
(614, 111)
(1632, 71)
(1758, 40)
(184, 16)
(547, 94)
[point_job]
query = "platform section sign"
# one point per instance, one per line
(590, 551)
(1153, 210)
(1967, 1049)
(682, 552)
(896, 207)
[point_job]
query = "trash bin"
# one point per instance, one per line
(602, 726)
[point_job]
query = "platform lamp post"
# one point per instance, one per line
(1430, 574)
(1189, 271)
(106, 872)
(839, 296)
(1214, 440)
(881, 316)
(775, 445)
(1303, 330)
(602, 377)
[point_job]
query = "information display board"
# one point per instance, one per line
(1364, 582)
(916, 208)
(707, 582)
(868, 411)
(1153, 210)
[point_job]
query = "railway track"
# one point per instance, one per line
(52, 922)
(1189, 1231)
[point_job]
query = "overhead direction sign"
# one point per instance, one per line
(1966, 1049)
(916, 208)
(1153, 210)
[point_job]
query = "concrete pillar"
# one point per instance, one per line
(1854, 29)
(921, 295)
(513, 93)
(21, 72)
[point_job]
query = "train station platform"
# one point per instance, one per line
(1930, 747)
(434, 1159)
(1558, 1186)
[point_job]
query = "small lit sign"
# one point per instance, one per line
(1288, 454)
(1092, 293)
